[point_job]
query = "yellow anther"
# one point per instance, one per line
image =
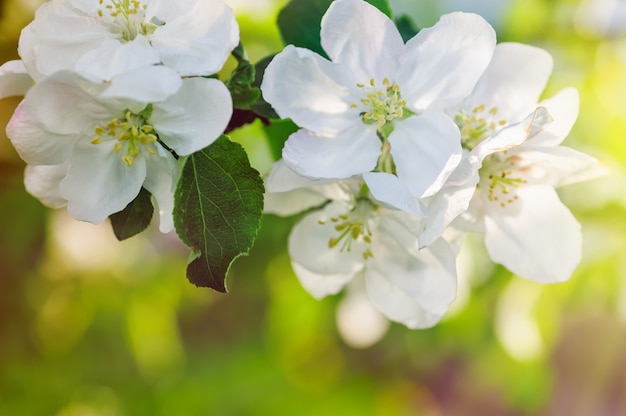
(96, 140)
(117, 147)
(100, 130)
(100, 13)
(386, 82)
(128, 160)
(135, 131)
(146, 128)
(493, 111)
(372, 82)
(360, 85)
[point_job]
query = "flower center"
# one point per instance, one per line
(476, 126)
(381, 105)
(128, 18)
(132, 134)
(499, 175)
(353, 226)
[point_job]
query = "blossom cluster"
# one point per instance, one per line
(116, 91)
(404, 147)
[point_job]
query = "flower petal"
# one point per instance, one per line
(149, 84)
(161, 179)
(283, 179)
(99, 183)
(452, 200)
(513, 81)
(358, 35)
(563, 107)
(110, 58)
(43, 182)
(558, 166)
(442, 64)
(388, 189)
(197, 36)
(425, 149)
(309, 245)
(66, 103)
(195, 116)
(34, 143)
(14, 80)
(351, 152)
(535, 237)
(315, 93)
(413, 290)
(59, 30)
(321, 285)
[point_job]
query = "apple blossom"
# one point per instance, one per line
(103, 38)
(377, 103)
(95, 145)
(353, 237)
(513, 160)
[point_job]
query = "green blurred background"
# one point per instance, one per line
(90, 326)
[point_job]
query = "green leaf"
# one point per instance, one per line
(262, 107)
(240, 83)
(217, 210)
(382, 5)
(300, 22)
(134, 218)
(406, 27)
(277, 134)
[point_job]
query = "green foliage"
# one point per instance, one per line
(134, 218)
(217, 210)
(406, 27)
(299, 22)
(240, 83)
(277, 133)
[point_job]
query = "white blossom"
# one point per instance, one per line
(102, 39)
(353, 237)
(377, 103)
(94, 145)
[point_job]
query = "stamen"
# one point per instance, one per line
(133, 135)
(477, 126)
(353, 226)
(381, 105)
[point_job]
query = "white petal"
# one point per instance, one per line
(563, 107)
(351, 152)
(315, 93)
(513, 81)
(292, 202)
(161, 178)
(535, 237)
(14, 80)
(195, 116)
(413, 290)
(321, 285)
(452, 200)
(58, 30)
(66, 103)
(110, 58)
(515, 135)
(43, 182)
(359, 36)
(442, 64)
(99, 183)
(288, 193)
(34, 143)
(558, 166)
(309, 245)
(149, 84)
(425, 149)
(196, 39)
(283, 179)
(389, 190)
